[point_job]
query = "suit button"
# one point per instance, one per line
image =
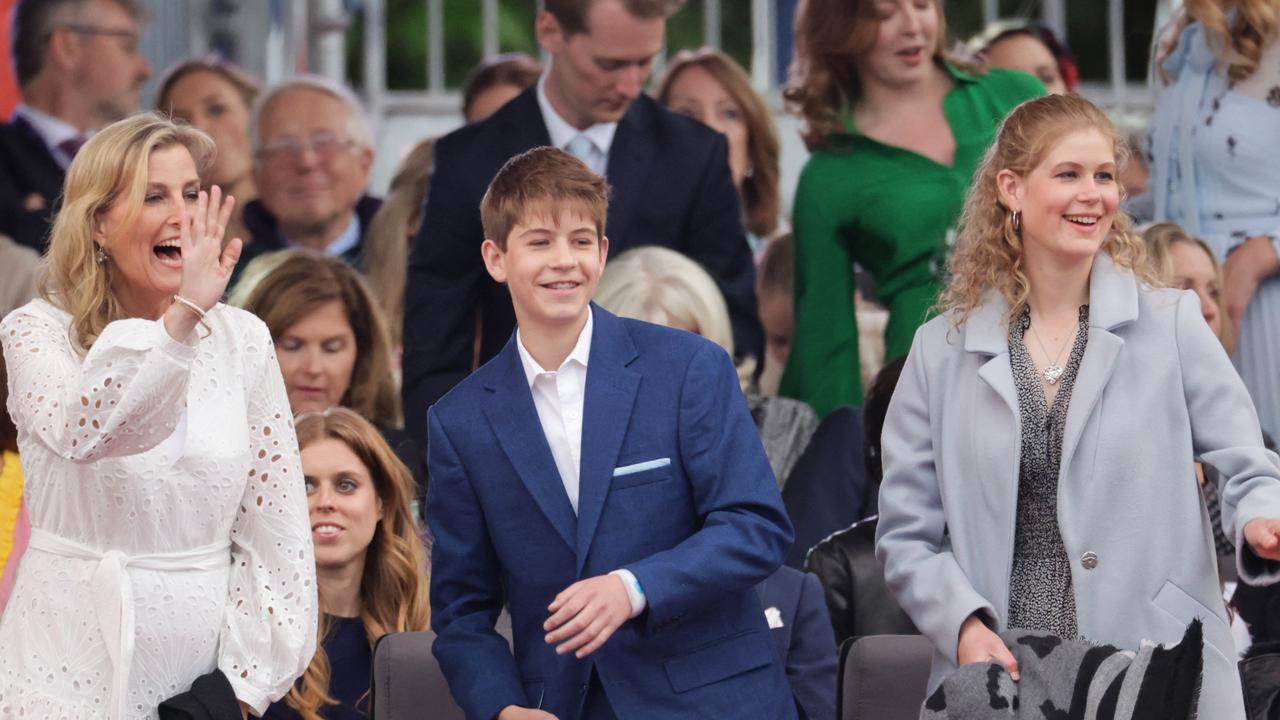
(1089, 560)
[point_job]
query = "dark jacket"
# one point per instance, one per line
(670, 187)
(798, 620)
(826, 490)
(265, 237)
(210, 698)
(30, 184)
(853, 580)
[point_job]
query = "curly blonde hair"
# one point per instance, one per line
(1238, 43)
(393, 590)
(111, 168)
(988, 250)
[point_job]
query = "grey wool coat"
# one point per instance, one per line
(1155, 392)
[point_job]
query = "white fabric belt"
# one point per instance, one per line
(113, 594)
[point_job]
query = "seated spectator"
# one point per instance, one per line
(386, 244)
(15, 528)
(215, 96)
(1031, 48)
(495, 82)
(332, 343)
(776, 302)
(371, 566)
(18, 265)
(853, 579)
(313, 150)
(797, 620)
(708, 86)
(816, 464)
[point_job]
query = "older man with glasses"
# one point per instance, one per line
(312, 146)
(78, 68)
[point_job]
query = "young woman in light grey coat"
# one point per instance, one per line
(1038, 451)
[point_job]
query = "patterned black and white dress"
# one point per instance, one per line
(1041, 596)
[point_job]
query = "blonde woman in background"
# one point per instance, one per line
(169, 522)
(371, 564)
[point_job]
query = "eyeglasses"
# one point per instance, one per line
(324, 144)
(130, 37)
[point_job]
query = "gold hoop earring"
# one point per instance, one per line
(1017, 221)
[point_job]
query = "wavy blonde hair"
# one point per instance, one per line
(393, 591)
(830, 36)
(1239, 43)
(988, 251)
(111, 168)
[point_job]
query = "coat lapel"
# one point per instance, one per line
(610, 396)
(1113, 302)
(515, 422)
(987, 333)
(629, 158)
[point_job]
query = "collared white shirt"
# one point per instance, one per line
(52, 130)
(558, 396)
(562, 133)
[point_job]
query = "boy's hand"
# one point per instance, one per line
(585, 614)
(515, 712)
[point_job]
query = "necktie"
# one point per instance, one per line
(71, 146)
(581, 147)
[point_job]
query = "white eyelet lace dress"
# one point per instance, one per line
(170, 531)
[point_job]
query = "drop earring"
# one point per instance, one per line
(100, 256)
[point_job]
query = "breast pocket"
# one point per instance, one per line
(641, 473)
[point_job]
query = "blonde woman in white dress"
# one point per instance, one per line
(170, 532)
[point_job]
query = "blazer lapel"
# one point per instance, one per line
(1113, 302)
(987, 333)
(610, 396)
(515, 422)
(629, 158)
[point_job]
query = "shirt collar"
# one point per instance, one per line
(341, 244)
(54, 131)
(961, 77)
(580, 353)
(561, 132)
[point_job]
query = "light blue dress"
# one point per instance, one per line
(1214, 151)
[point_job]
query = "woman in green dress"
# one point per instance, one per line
(896, 130)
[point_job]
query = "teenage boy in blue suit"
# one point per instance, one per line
(620, 504)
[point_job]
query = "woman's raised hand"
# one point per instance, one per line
(979, 645)
(206, 264)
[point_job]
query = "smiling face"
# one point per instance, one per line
(145, 255)
(596, 75)
(552, 264)
(905, 41)
(1069, 200)
(1021, 51)
(317, 358)
(209, 102)
(697, 94)
(343, 502)
(1194, 270)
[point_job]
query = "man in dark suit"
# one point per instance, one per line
(77, 67)
(801, 628)
(670, 178)
(602, 478)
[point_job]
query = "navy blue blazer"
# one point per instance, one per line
(30, 184)
(670, 187)
(793, 605)
(674, 487)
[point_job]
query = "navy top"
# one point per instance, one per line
(350, 665)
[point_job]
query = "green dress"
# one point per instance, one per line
(893, 212)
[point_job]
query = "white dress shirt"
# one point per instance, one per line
(52, 130)
(558, 397)
(562, 133)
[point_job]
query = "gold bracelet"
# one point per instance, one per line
(199, 314)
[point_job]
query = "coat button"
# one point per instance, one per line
(1089, 560)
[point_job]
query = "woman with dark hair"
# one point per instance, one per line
(896, 129)
(214, 95)
(708, 86)
(333, 343)
(371, 565)
(1031, 48)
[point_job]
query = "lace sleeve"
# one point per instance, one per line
(269, 633)
(123, 397)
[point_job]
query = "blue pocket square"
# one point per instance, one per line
(641, 467)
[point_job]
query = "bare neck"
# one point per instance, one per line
(340, 589)
(1057, 288)
(61, 100)
(550, 344)
(879, 100)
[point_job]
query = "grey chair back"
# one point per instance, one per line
(883, 677)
